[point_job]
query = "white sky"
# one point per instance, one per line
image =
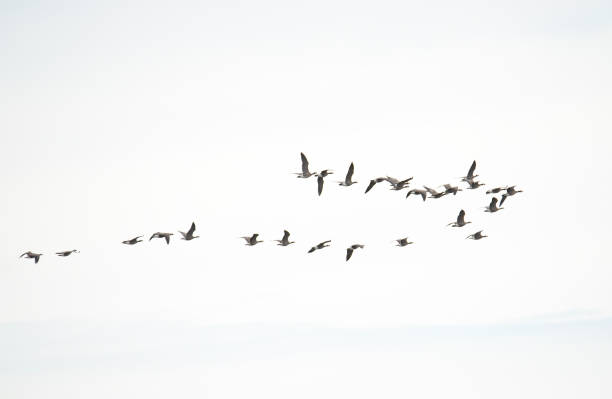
(126, 119)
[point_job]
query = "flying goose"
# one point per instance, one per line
(470, 176)
(159, 234)
(496, 190)
(305, 172)
(133, 241)
(476, 236)
(320, 177)
(460, 220)
(321, 245)
(349, 250)
(373, 183)
(422, 193)
(66, 253)
(402, 242)
(493, 206)
(349, 175)
(474, 184)
(510, 191)
(32, 255)
(448, 189)
(434, 194)
(398, 184)
(285, 240)
(189, 235)
(252, 240)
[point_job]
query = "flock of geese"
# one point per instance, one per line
(396, 185)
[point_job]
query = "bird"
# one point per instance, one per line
(433, 193)
(321, 245)
(448, 189)
(285, 240)
(133, 241)
(349, 250)
(349, 175)
(496, 190)
(32, 255)
(493, 206)
(460, 220)
(166, 236)
(470, 176)
(510, 191)
(397, 184)
(66, 253)
(189, 235)
(373, 183)
(402, 242)
(305, 172)
(474, 184)
(252, 240)
(320, 177)
(422, 193)
(476, 236)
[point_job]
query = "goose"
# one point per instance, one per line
(402, 242)
(448, 189)
(133, 241)
(305, 172)
(285, 240)
(321, 245)
(422, 193)
(373, 183)
(493, 206)
(349, 175)
(32, 255)
(474, 184)
(252, 240)
(470, 175)
(510, 191)
(397, 184)
(476, 236)
(159, 234)
(189, 235)
(320, 177)
(434, 194)
(66, 253)
(460, 220)
(349, 250)
(496, 190)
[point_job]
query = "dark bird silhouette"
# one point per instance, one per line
(159, 234)
(349, 250)
(493, 206)
(476, 236)
(460, 220)
(189, 235)
(397, 184)
(470, 176)
(252, 240)
(496, 190)
(305, 172)
(474, 184)
(373, 183)
(285, 240)
(510, 191)
(448, 189)
(433, 193)
(402, 242)
(66, 253)
(349, 175)
(422, 193)
(32, 255)
(321, 245)
(133, 241)
(320, 181)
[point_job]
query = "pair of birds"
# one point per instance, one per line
(460, 222)
(188, 236)
(252, 240)
(509, 192)
(36, 257)
(349, 250)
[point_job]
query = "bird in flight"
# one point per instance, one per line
(373, 183)
(285, 240)
(510, 191)
(252, 240)
(470, 176)
(449, 189)
(32, 255)
(460, 220)
(349, 176)
(189, 235)
(422, 193)
(402, 242)
(493, 206)
(474, 184)
(321, 245)
(133, 241)
(397, 184)
(159, 234)
(320, 177)
(434, 194)
(305, 172)
(349, 250)
(476, 236)
(496, 190)
(66, 253)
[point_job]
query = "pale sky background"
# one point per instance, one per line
(126, 118)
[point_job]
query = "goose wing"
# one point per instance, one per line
(319, 184)
(191, 229)
(304, 164)
(504, 196)
(349, 253)
(471, 171)
(461, 218)
(349, 174)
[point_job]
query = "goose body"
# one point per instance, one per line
(474, 184)
(305, 171)
(470, 175)
(349, 176)
(397, 184)
(510, 191)
(31, 255)
(422, 193)
(159, 234)
(285, 240)
(320, 245)
(66, 253)
(373, 183)
(460, 220)
(449, 189)
(252, 240)
(133, 241)
(493, 206)
(476, 236)
(402, 242)
(349, 250)
(320, 181)
(433, 193)
(189, 235)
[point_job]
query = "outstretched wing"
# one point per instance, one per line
(191, 229)
(304, 164)
(504, 196)
(319, 184)
(167, 237)
(472, 169)
(349, 253)
(372, 183)
(286, 236)
(461, 217)
(349, 174)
